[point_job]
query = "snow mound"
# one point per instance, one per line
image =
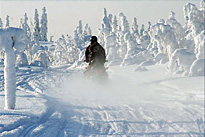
(163, 61)
(197, 68)
(181, 60)
(147, 63)
(160, 57)
(140, 69)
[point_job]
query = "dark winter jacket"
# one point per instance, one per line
(95, 52)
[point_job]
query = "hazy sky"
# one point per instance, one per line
(63, 16)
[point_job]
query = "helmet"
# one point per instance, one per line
(93, 39)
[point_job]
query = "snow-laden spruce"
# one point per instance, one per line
(142, 30)
(105, 29)
(164, 37)
(123, 29)
(178, 30)
(25, 26)
(144, 40)
(107, 24)
(132, 50)
(114, 25)
(7, 21)
(194, 18)
(190, 61)
(44, 26)
(112, 48)
(135, 31)
(11, 39)
(66, 51)
(36, 33)
(81, 35)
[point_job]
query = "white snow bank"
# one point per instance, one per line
(197, 68)
(140, 69)
(188, 89)
(147, 63)
(181, 60)
(28, 109)
(160, 57)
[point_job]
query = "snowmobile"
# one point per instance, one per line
(96, 71)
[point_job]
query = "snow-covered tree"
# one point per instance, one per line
(26, 27)
(144, 40)
(178, 30)
(124, 23)
(132, 50)
(161, 21)
(66, 51)
(73, 54)
(1, 24)
(41, 59)
(7, 21)
(85, 32)
(80, 28)
(194, 18)
(105, 29)
(110, 16)
(76, 39)
(107, 23)
(164, 37)
(89, 31)
(135, 31)
(111, 46)
(28, 32)
(11, 39)
(142, 30)
(82, 35)
(188, 61)
(149, 26)
(125, 29)
(36, 33)
(44, 26)
(114, 25)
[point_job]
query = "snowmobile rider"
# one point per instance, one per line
(95, 53)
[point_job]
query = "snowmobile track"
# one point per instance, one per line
(33, 125)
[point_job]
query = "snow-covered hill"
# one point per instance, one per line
(134, 101)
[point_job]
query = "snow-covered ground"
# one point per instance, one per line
(133, 102)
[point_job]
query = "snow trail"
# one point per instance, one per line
(131, 104)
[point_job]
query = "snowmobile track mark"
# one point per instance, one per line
(33, 125)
